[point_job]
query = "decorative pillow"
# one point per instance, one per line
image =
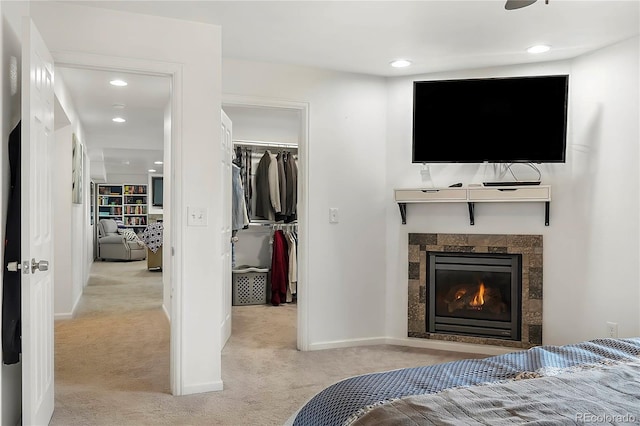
(130, 235)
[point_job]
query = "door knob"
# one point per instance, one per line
(42, 265)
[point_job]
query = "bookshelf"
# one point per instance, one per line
(127, 202)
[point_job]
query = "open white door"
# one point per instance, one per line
(36, 234)
(225, 258)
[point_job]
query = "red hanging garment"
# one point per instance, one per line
(279, 269)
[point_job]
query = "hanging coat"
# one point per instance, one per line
(11, 294)
(263, 200)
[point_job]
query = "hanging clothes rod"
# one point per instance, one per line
(265, 144)
(272, 225)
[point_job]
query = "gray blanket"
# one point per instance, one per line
(608, 394)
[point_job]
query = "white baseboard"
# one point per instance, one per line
(65, 316)
(450, 346)
(166, 312)
(347, 343)
(68, 315)
(202, 387)
(415, 343)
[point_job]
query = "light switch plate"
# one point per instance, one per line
(196, 216)
(333, 215)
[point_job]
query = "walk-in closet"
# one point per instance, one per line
(264, 214)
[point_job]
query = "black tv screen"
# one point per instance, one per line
(516, 119)
(156, 191)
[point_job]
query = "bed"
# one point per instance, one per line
(590, 382)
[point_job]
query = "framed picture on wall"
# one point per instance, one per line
(76, 170)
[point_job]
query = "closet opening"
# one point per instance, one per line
(265, 211)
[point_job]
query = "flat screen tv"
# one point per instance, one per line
(156, 191)
(516, 119)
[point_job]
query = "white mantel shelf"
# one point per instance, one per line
(475, 194)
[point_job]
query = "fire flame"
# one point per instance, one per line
(478, 298)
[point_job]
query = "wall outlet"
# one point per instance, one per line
(612, 329)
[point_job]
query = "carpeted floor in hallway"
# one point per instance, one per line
(112, 360)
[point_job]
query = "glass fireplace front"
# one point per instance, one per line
(474, 294)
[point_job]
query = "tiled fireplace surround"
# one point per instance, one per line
(529, 246)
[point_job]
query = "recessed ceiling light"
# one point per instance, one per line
(152, 170)
(118, 120)
(157, 162)
(540, 48)
(118, 106)
(400, 63)
(119, 83)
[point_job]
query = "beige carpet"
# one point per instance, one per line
(112, 360)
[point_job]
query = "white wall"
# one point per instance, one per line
(63, 300)
(73, 232)
(346, 270)
(603, 203)
(121, 179)
(167, 235)
(193, 49)
(10, 30)
(587, 208)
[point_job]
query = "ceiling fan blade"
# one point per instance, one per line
(517, 4)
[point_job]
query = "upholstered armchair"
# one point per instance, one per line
(113, 245)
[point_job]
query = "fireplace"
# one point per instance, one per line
(525, 329)
(475, 294)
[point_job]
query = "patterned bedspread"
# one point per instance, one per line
(346, 401)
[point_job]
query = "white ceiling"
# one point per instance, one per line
(362, 37)
(117, 149)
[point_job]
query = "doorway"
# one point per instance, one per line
(261, 125)
(124, 163)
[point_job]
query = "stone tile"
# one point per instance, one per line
(497, 249)
(414, 270)
(521, 250)
(423, 239)
(533, 305)
(535, 260)
(530, 318)
(416, 316)
(423, 294)
(487, 240)
(419, 335)
(433, 248)
(480, 249)
(414, 253)
(459, 249)
(535, 334)
(535, 283)
(452, 240)
(423, 266)
(414, 292)
(524, 240)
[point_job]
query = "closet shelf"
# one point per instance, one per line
(266, 144)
